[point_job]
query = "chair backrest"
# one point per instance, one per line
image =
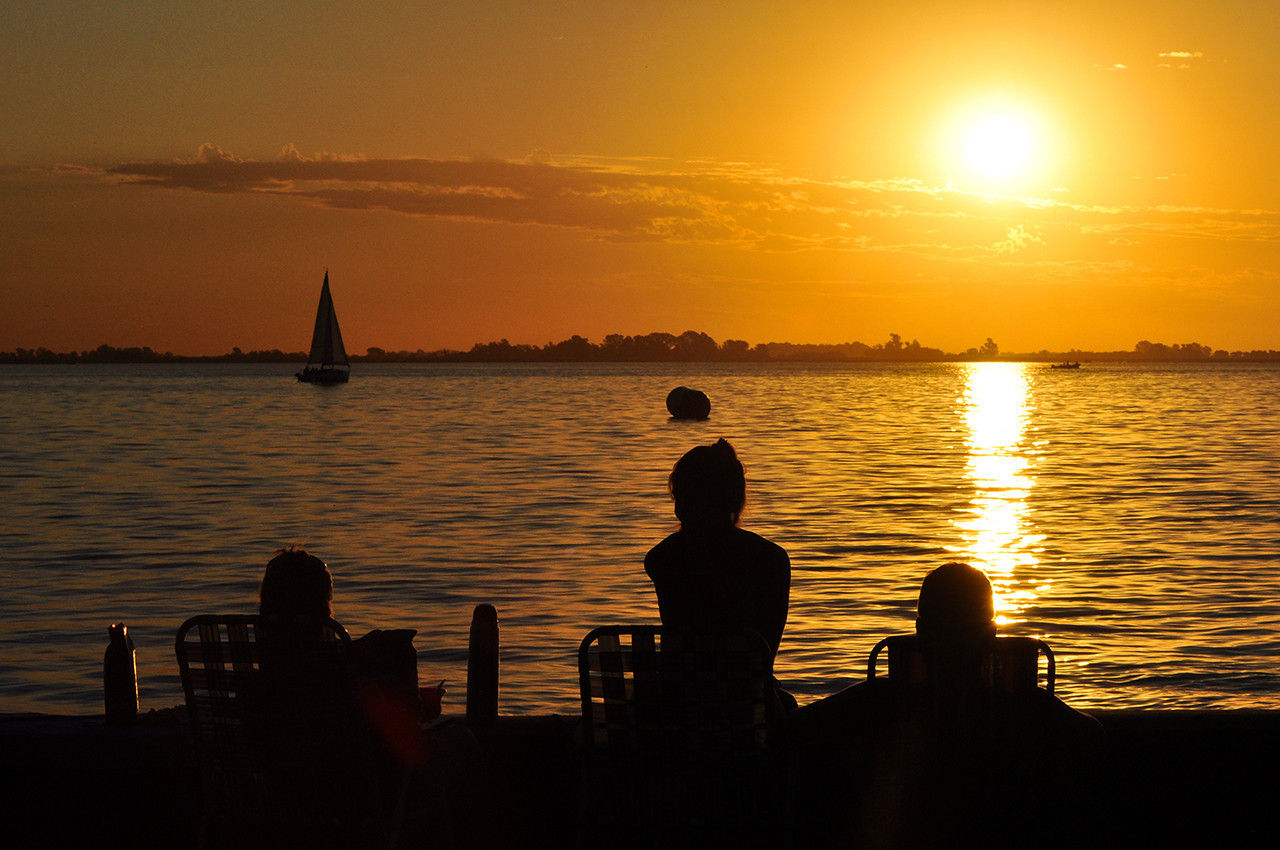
(959, 734)
(679, 690)
(279, 735)
(974, 707)
(676, 731)
(1008, 665)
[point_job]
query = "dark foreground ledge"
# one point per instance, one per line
(1171, 778)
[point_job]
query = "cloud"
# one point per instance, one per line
(614, 199)
(1017, 239)
(210, 153)
(1166, 55)
(1179, 54)
(713, 203)
(290, 153)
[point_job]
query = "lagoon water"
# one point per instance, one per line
(1129, 514)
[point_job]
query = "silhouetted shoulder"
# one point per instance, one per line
(742, 549)
(766, 547)
(663, 553)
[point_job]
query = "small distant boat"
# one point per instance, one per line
(327, 363)
(1070, 364)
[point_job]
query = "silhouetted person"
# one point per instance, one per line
(711, 573)
(297, 587)
(936, 756)
(302, 713)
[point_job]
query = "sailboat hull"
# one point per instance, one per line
(323, 375)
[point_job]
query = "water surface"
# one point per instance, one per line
(1128, 514)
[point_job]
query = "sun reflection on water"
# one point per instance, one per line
(995, 524)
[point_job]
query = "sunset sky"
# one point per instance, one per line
(1050, 175)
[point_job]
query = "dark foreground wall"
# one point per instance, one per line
(73, 782)
(1171, 779)
(1191, 778)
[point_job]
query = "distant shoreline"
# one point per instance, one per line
(689, 347)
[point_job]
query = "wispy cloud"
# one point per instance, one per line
(739, 205)
(1017, 239)
(1182, 59)
(1178, 59)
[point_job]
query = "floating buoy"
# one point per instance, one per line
(684, 403)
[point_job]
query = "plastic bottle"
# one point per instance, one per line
(120, 677)
(482, 667)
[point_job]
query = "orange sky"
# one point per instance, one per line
(180, 174)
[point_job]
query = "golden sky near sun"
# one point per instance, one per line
(179, 175)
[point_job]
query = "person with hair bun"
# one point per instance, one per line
(711, 573)
(296, 585)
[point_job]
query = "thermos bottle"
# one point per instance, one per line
(120, 677)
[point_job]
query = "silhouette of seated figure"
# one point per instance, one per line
(943, 753)
(298, 587)
(332, 702)
(711, 573)
(367, 709)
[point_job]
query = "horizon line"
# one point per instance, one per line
(691, 346)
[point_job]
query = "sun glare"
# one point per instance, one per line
(998, 146)
(995, 143)
(995, 525)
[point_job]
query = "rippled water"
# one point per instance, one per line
(1128, 514)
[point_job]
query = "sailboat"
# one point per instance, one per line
(327, 363)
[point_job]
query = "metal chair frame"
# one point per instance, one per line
(1007, 664)
(676, 737)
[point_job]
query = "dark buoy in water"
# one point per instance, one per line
(684, 403)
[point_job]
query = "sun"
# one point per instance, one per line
(996, 143)
(998, 146)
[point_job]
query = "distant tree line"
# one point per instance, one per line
(145, 354)
(690, 346)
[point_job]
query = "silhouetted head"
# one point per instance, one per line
(296, 584)
(708, 486)
(956, 602)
